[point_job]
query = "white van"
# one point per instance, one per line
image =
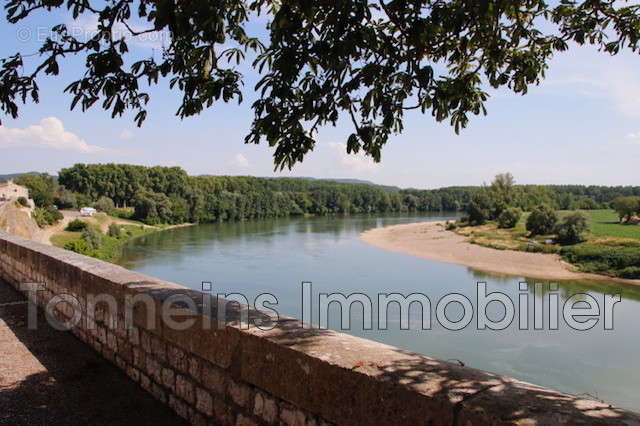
(87, 211)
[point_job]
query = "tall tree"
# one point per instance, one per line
(626, 207)
(367, 60)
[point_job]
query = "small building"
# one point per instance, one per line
(11, 191)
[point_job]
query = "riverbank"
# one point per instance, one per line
(429, 240)
(108, 246)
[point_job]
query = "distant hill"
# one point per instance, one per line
(347, 180)
(354, 182)
(4, 178)
(365, 182)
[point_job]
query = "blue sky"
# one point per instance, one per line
(582, 126)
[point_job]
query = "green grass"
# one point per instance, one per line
(59, 239)
(100, 218)
(110, 247)
(126, 222)
(611, 248)
(605, 223)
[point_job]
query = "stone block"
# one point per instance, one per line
(265, 407)
(168, 378)
(214, 379)
(184, 389)
(204, 401)
(240, 393)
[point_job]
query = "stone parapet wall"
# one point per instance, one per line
(211, 369)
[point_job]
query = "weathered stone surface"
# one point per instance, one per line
(139, 358)
(245, 421)
(168, 378)
(240, 393)
(223, 412)
(184, 389)
(265, 407)
(158, 392)
(178, 359)
(214, 379)
(195, 368)
(180, 407)
(154, 370)
(291, 416)
(204, 401)
(159, 349)
(134, 336)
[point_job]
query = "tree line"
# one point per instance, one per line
(169, 195)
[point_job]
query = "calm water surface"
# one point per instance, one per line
(275, 256)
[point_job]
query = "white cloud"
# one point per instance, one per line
(357, 163)
(590, 73)
(624, 85)
(126, 134)
(240, 162)
(635, 137)
(50, 133)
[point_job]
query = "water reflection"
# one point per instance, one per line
(275, 256)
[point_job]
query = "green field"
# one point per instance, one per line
(605, 223)
(611, 248)
(59, 239)
(110, 247)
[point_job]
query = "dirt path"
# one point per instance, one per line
(46, 233)
(429, 240)
(101, 221)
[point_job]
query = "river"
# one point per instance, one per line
(276, 256)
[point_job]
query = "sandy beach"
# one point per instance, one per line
(429, 240)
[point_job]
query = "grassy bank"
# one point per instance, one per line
(100, 238)
(610, 248)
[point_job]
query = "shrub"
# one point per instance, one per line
(450, 226)
(588, 204)
(76, 225)
(509, 217)
(23, 202)
(572, 228)
(104, 204)
(79, 246)
(114, 230)
(479, 209)
(542, 248)
(40, 216)
(122, 213)
(46, 215)
(631, 272)
(602, 258)
(92, 237)
(542, 220)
